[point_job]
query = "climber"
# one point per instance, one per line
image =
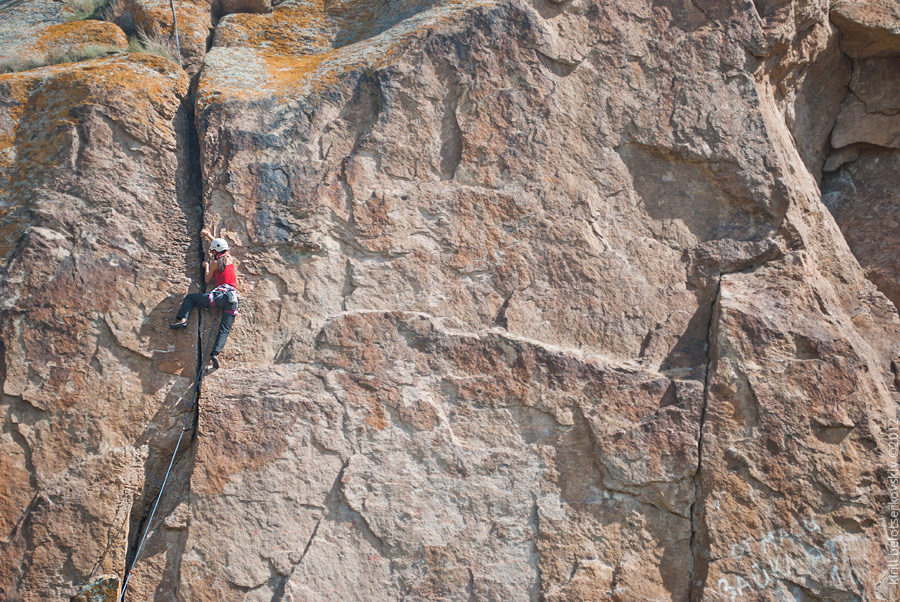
(223, 297)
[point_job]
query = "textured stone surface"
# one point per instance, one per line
(91, 381)
(482, 216)
(863, 196)
(870, 114)
(870, 27)
(74, 36)
(38, 33)
(857, 125)
(861, 186)
(104, 588)
(24, 22)
(779, 333)
(414, 437)
(153, 18)
(539, 301)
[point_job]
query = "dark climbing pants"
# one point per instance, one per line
(201, 300)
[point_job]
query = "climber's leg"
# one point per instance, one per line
(222, 336)
(190, 302)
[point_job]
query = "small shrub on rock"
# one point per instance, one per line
(80, 10)
(158, 44)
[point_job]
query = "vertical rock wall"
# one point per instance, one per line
(631, 182)
(539, 301)
(860, 187)
(103, 213)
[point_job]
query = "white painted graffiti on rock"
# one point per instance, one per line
(786, 555)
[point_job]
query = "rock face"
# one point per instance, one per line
(97, 151)
(870, 27)
(153, 19)
(104, 588)
(24, 22)
(539, 301)
(861, 186)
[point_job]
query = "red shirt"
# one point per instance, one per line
(226, 277)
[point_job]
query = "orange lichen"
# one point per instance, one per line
(79, 33)
(288, 31)
(157, 19)
(141, 92)
(303, 48)
(15, 89)
(284, 71)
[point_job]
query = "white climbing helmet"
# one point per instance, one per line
(218, 245)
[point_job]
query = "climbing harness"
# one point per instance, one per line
(230, 293)
(184, 428)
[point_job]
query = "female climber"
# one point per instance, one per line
(223, 297)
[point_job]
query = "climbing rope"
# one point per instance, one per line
(175, 21)
(184, 428)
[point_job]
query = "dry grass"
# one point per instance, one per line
(158, 44)
(134, 45)
(79, 10)
(84, 53)
(22, 63)
(114, 10)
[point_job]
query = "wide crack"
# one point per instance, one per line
(191, 191)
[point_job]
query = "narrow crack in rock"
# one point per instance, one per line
(279, 592)
(190, 137)
(710, 343)
(113, 530)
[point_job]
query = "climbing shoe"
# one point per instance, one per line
(178, 325)
(215, 361)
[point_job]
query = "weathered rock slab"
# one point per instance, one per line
(871, 28)
(89, 370)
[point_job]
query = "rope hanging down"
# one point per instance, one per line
(184, 428)
(175, 21)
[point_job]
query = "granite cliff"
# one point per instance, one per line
(540, 300)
